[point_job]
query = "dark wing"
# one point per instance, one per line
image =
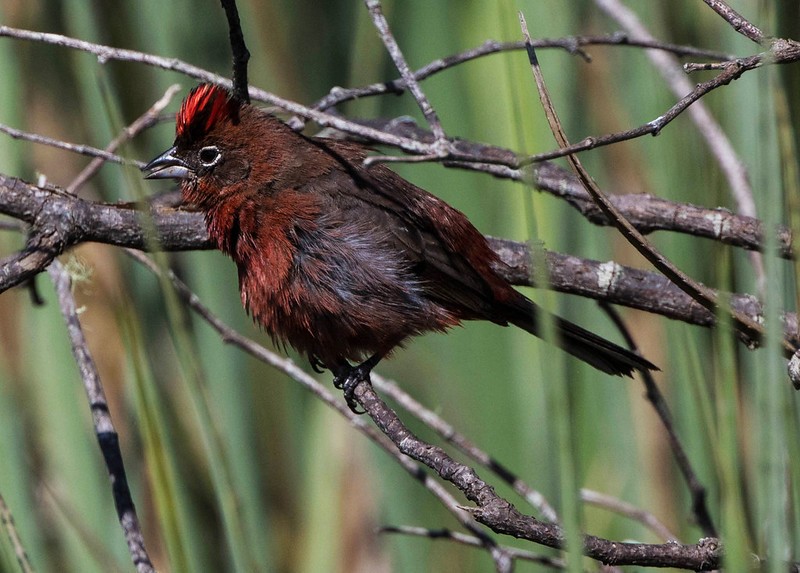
(449, 255)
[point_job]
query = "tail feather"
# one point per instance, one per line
(589, 347)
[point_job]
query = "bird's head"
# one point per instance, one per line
(211, 152)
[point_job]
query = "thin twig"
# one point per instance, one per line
(471, 541)
(656, 398)
(107, 436)
(375, 159)
(572, 44)
(737, 22)
(379, 20)
(78, 148)
(731, 72)
(616, 505)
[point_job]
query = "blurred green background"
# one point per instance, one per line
(308, 491)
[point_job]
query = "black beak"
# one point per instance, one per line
(167, 166)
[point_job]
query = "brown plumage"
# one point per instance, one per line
(341, 261)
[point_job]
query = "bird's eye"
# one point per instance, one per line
(210, 156)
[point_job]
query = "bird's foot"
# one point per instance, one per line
(348, 378)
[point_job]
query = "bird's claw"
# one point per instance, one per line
(346, 380)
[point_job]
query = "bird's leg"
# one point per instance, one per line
(347, 377)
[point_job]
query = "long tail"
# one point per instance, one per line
(589, 347)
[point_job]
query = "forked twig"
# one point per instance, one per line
(376, 12)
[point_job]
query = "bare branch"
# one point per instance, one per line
(60, 220)
(72, 220)
(106, 53)
(616, 284)
(731, 72)
(78, 148)
(20, 267)
(649, 213)
(737, 22)
(629, 510)
(571, 44)
(379, 20)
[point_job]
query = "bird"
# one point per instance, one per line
(342, 261)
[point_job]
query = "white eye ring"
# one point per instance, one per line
(209, 156)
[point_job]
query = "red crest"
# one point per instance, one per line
(204, 107)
